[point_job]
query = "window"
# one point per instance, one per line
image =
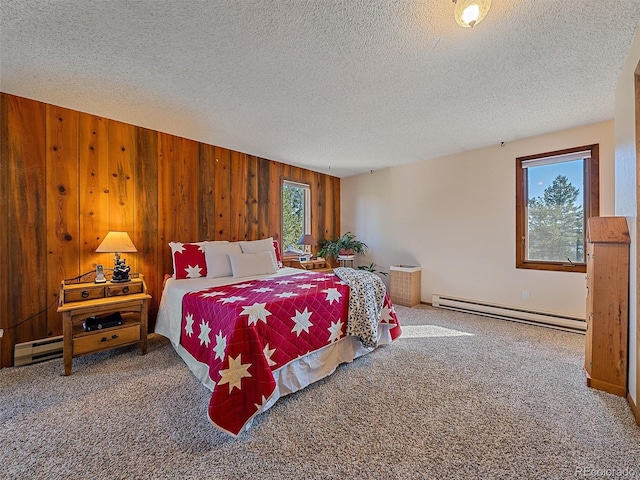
(296, 213)
(556, 193)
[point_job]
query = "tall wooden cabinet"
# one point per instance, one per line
(605, 359)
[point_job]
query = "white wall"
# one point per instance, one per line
(626, 193)
(455, 216)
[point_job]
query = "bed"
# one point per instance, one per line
(255, 338)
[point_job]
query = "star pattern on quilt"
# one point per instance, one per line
(267, 354)
(193, 271)
(232, 299)
(332, 295)
(204, 333)
(262, 290)
(263, 402)
(243, 285)
(385, 315)
(221, 345)
(256, 312)
(211, 294)
(235, 373)
(301, 321)
(188, 326)
(335, 330)
(284, 282)
(286, 295)
(305, 286)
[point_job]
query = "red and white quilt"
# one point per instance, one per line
(245, 331)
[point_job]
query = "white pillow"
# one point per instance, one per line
(255, 246)
(212, 242)
(216, 255)
(264, 245)
(250, 264)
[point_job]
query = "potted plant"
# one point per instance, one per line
(343, 248)
(373, 268)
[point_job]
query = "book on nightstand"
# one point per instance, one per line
(99, 322)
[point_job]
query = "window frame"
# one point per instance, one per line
(591, 207)
(307, 210)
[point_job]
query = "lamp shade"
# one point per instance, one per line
(470, 12)
(116, 242)
(307, 239)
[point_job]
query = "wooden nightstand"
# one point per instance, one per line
(318, 265)
(80, 301)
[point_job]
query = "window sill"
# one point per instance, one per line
(553, 266)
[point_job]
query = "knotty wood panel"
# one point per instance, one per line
(145, 233)
(207, 197)
(63, 226)
(115, 176)
(276, 170)
(318, 196)
(335, 188)
(238, 194)
(24, 223)
(27, 173)
(122, 156)
(177, 193)
(336, 204)
(222, 187)
(93, 153)
(251, 217)
(264, 198)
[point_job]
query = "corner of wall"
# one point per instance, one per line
(627, 174)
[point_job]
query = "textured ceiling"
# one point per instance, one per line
(335, 86)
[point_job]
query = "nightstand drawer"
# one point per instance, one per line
(108, 338)
(127, 289)
(80, 294)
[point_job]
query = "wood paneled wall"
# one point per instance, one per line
(67, 178)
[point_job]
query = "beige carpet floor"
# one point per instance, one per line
(458, 396)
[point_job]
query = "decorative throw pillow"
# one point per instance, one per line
(276, 248)
(250, 264)
(188, 260)
(217, 258)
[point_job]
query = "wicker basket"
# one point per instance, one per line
(405, 285)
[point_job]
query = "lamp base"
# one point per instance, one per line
(120, 271)
(120, 280)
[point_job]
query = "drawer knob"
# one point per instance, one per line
(85, 294)
(125, 289)
(105, 339)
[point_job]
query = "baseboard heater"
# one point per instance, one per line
(551, 320)
(37, 351)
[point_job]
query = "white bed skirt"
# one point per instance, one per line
(301, 372)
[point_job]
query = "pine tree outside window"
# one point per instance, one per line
(296, 213)
(556, 192)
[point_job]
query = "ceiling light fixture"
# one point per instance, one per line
(469, 13)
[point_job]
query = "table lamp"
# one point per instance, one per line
(117, 242)
(308, 241)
